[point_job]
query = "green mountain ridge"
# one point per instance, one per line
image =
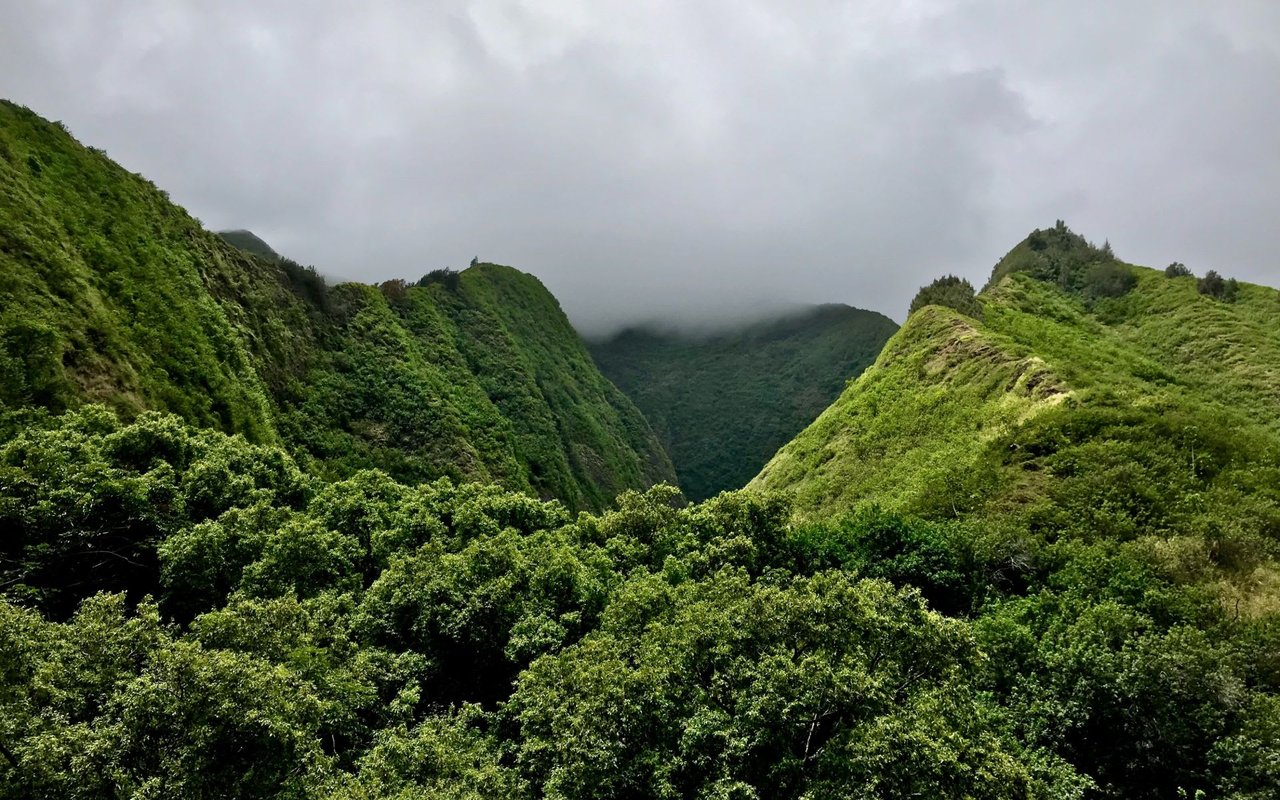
(109, 293)
(723, 402)
(267, 538)
(249, 242)
(937, 420)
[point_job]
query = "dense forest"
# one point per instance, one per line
(723, 402)
(265, 537)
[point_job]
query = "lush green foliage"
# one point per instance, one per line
(949, 291)
(1036, 554)
(723, 403)
(107, 291)
(110, 293)
(1113, 437)
(278, 635)
(964, 417)
(1060, 256)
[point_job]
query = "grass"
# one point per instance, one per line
(1147, 418)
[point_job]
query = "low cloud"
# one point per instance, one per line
(687, 161)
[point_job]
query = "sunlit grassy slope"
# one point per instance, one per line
(723, 403)
(110, 293)
(1155, 412)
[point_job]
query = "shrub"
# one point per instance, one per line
(446, 277)
(949, 291)
(1219, 288)
(1177, 270)
(1107, 279)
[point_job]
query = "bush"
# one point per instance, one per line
(446, 277)
(949, 291)
(1231, 291)
(1107, 279)
(1219, 288)
(1177, 270)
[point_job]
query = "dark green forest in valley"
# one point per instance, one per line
(724, 402)
(265, 537)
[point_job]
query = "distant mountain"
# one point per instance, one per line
(110, 293)
(249, 242)
(723, 403)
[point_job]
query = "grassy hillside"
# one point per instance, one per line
(479, 377)
(1147, 414)
(109, 293)
(1087, 428)
(105, 290)
(960, 414)
(723, 403)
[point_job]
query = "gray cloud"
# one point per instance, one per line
(687, 160)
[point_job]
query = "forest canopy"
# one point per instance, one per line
(189, 614)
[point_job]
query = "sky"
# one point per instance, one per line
(683, 161)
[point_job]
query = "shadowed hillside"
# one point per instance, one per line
(723, 403)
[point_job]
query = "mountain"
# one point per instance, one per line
(1097, 446)
(1037, 552)
(249, 242)
(110, 293)
(723, 403)
(1108, 404)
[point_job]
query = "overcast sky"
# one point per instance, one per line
(688, 159)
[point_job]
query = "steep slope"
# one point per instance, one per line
(723, 403)
(106, 290)
(109, 293)
(1151, 410)
(477, 377)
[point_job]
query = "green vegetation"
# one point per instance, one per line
(1217, 287)
(249, 242)
(961, 417)
(110, 293)
(949, 291)
(267, 538)
(1113, 431)
(189, 614)
(723, 403)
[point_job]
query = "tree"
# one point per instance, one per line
(1177, 270)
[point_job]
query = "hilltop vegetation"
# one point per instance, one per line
(963, 416)
(723, 403)
(109, 293)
